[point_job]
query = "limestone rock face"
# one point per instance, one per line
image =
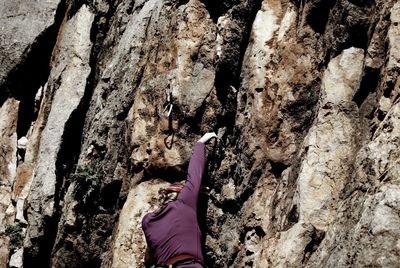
(129, 245)
(67, 82)
(101, 102)
(22, 23)
(8, 160)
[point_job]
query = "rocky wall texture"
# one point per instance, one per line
(304, 96)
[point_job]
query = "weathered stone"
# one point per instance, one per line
(288, 250)
(16, 17)
(16, 260)
(68, 81)
(332, 137)
(394, 36)
(129, 245)
(8, 126)
(143, 75)
(25, 170)
(370, 217)
(304, 96)
(8, 166)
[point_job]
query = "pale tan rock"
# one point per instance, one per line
(222, 24)
(22, 143)
(194, 80)
(130, 244)
(288, 250)
(394, 37)
(265, 27)
(188, 82)
(8, 124)
(343, 76)
(385, 104)
(228, 190)
(8, 166)
(331, 142)
(20, 211)
(16, 260)
(366, 231)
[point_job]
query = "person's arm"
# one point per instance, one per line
(190, 192)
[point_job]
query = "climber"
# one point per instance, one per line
(172, 233)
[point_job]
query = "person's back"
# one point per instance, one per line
(172, 231)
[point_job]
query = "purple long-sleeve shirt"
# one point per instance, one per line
(173, 230)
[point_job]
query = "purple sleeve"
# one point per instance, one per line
(190, 191)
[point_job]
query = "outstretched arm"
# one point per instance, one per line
(190, 191)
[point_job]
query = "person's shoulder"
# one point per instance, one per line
(199, 144)
(145, 219)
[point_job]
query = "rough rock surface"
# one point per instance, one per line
(304, 96)
(129, 244)
(67, 83)
(22, 23)
(8, 163)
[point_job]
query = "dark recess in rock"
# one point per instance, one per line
(231, 206)
(219, 8)
(302, 110)
(358, 37)
(202, 215)
(319, 14)
(380, 115)
(277, 168)
(228, 70)
(316, 239)
(297, 3)
(109, 195)
(368, 84)
(362, 3)
(182, 2)
(259, 231)
(354, 26)
(39, 255)
(168, 173)
(293, 216)
(77, 4)
(388, 89)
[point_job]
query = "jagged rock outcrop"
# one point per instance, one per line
(304, 96)
(8, 160)
(16, 41)
(66, 85)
